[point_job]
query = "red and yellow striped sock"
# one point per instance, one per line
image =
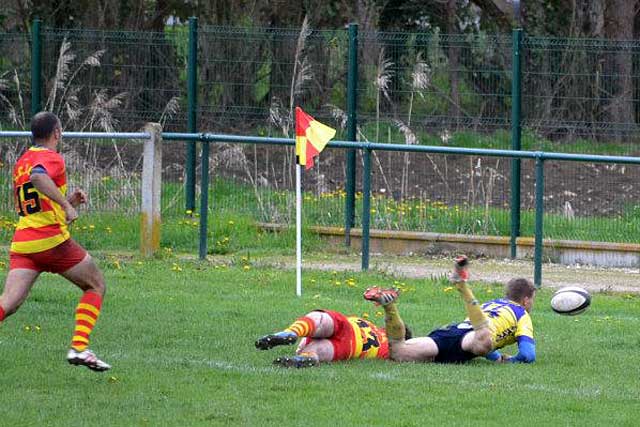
(87, 313)
(303, 327)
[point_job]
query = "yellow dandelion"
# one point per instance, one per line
(448, 289)
(365, 315)
(246, 268)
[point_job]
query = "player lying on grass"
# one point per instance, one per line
(489, 327)
(328, 336)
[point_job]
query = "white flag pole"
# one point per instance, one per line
(298, 230)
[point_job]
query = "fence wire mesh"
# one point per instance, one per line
(251, 79)
(110, 172)
(115, 80)
(430, 88)
(15, 84)
(582, 92)
(422, 88)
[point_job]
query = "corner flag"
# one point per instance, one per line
(311, 138)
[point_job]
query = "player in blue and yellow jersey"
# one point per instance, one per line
(42, 242)
(488, 327)
(327, 336)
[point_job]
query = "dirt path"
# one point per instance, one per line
(488, 270)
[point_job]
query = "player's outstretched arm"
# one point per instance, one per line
(526, 351)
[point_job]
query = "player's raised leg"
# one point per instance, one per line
(87, 277)
(316, 324)
(422, 349)
(459, 277)
(479, 340)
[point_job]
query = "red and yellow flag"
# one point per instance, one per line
(311, 138)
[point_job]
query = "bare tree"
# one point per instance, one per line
(619, 19)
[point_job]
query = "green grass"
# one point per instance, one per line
(180, 337)
(228, 234)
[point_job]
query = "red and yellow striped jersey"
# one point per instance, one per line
(369, 341)
(42, 224)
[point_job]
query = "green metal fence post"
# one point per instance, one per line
(352, 123)
(36, 67)
(366, 207)
(516, 89)
(204, 198)
(192, 123)
(537, 257)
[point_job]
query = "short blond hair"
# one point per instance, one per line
(519, 288)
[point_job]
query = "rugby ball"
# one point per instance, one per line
(570, 300)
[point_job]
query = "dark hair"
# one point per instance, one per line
(43, 124)
(519, 288)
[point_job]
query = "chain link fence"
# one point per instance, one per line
(422, 88)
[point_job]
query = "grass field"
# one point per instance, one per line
(180, 336)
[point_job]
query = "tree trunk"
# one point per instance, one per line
(619, 17)
(454, 60)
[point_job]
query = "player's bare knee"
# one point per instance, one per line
(95, 283)
(99, 286)
(316, 316)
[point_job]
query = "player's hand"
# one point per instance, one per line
(78, 198)
(70, 213)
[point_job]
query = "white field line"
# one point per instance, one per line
(583, 391)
